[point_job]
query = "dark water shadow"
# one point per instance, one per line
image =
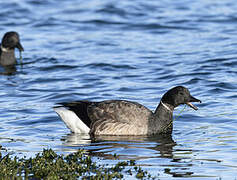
(8, 70)
(103, 146)
(163, 144)
(147, 150)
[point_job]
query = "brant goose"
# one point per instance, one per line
(121, 117)
(10, 41)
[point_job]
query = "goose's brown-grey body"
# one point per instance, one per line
(121, 117)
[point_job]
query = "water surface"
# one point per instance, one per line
(133, 50)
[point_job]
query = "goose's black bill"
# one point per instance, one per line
(19, 46)
(193, 99)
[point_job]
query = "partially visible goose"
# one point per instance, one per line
(121, 117)
(10, 41)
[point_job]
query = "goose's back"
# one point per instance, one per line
(118, 117)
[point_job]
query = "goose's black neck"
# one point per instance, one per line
(162, 120)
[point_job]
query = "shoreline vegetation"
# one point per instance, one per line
(79, 165)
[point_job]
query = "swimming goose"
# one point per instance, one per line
(10, 41)
(121, 117)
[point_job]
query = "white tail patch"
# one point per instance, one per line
(72, 121)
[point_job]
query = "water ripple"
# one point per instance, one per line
(134, 50)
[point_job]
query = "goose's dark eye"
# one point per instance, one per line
(181, 93)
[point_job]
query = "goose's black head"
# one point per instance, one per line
(11, 40)
(179, 95)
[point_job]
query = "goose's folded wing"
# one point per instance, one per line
(119, 111)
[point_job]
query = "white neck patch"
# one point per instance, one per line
(167, 107)
(4, 49)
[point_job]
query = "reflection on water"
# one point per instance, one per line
(190, 157)
(8, 70)
(122, 146)
(126, 146)
(73, 139)
(147, 151)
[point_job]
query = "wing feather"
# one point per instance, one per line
(118, 117)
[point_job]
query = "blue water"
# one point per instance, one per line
(134, 50)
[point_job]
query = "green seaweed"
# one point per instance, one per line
(49, 165)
